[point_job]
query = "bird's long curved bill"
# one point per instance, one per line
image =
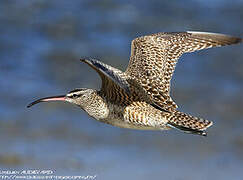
(46, 99)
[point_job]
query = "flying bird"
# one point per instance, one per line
(139, 98)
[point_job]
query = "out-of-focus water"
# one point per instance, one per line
(40, 46)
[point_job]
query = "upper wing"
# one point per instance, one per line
(154, 57)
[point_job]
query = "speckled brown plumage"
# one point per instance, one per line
(144, 88)
(139, 98)
(154, 57)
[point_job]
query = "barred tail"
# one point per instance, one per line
(188, 123)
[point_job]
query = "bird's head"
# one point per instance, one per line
(78, 97)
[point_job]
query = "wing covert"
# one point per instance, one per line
(154, 57)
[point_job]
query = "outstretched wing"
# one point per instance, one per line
(112, 79)
(154, 57)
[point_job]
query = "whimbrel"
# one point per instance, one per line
(139, 98)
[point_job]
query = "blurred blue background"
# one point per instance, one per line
(41, 42)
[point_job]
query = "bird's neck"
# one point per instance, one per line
(96, 106)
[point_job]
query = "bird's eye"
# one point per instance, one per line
(75, 95)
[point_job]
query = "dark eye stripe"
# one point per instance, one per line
(74, 95)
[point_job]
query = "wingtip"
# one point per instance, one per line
(88, 60)
(204, 133)
(83, 59)
(187, 130)
(237, 40)
(227, 39)
(200, 133)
